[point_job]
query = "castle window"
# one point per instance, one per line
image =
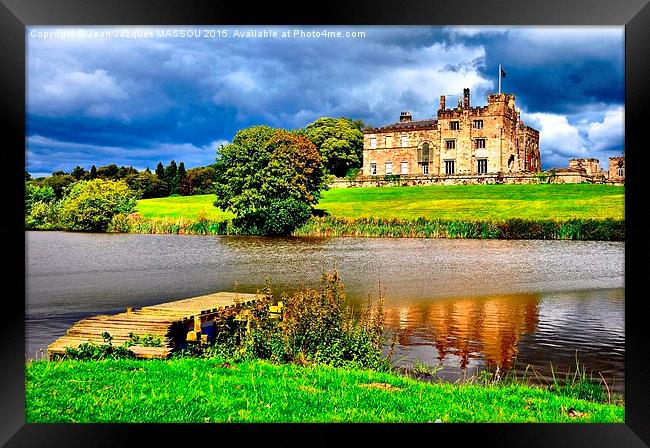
(481, 166)
(478, 124)
(425, 168)
(373, 142)
(480, 143)
(423, 153)
(386, 142)
(450, 144)
(449, 167)
(373, 168)
(454, 125)
(389, 167)
(405, 141)
(620, 171)
(404, 167)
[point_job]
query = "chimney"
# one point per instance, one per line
(442, 102)
(465, 98)
(405, 117)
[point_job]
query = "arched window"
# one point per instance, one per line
(423, 153)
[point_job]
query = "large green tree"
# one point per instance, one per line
(269, 178)
(339, 141)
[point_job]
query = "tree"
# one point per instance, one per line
(124, 171)
(146, 185)
(170, 176)
(269, 178)
(78, 172)
(91, 204)
(93, 172)
(339, 141)
(198, 181)
(109, 172)
(59, 183)
(160, 171)
(180, 177)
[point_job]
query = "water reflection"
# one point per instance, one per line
(467, 334)
(483, 328)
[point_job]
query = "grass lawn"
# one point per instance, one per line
(182, 207)
(471, 202)
(203, 390)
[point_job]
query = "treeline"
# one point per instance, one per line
(165, 181)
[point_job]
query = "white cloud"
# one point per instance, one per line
(89, 92)
(599, 136)
(608, 133)
(557, 135)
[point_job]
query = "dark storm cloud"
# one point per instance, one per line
(137, 101)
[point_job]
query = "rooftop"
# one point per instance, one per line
(429, 124)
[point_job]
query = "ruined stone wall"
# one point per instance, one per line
(591, 166)
(614, 164)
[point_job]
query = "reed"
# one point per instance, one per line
(572, 229)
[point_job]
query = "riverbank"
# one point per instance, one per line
(573, 229)
(451, 203)
(208, 390)
(562, 212)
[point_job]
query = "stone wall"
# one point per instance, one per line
(616, 168)
(566, 176)
(591, 166)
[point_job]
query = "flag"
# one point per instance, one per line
(503, 73)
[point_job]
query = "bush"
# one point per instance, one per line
(316, 326)
(91, 205)
(97, 352)
(281, 217)
(43, 216)
(36, 193)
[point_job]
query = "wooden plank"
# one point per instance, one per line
(156, 320)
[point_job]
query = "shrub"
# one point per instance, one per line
(43, 216)
(316, 326)
(281, 217)
(90, 205)
(36, 193)
(93, 351)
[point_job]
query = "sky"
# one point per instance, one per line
(139, 95)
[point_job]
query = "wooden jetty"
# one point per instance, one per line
(172, 322)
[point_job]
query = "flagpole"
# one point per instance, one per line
(499, 79)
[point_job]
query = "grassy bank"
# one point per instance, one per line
(572, 212)
(452, 202)
(206, 390)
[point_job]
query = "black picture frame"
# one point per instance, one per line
(15, 15)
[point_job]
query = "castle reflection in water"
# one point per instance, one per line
(483, 328)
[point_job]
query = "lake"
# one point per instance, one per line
(461, 304)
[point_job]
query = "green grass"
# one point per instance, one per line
(182, 207)
(452, 202)
(478, 202)
(202, 390)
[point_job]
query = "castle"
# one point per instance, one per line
(464, 140)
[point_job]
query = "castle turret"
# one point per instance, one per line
(442, 102)
(466, 104)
